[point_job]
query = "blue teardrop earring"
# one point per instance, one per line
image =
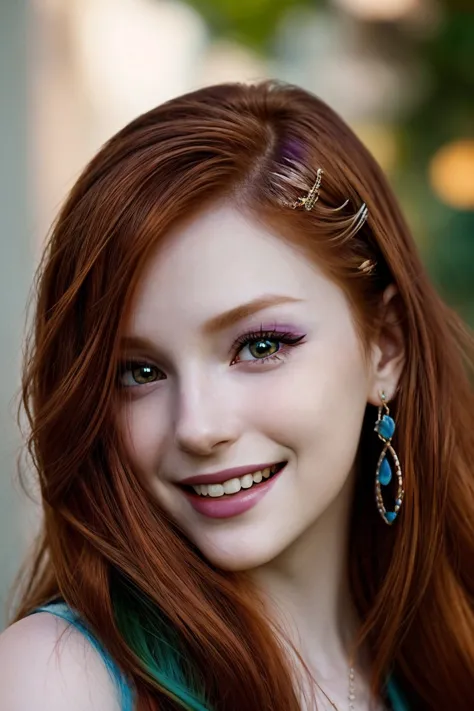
(385, 427)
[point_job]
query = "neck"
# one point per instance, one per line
(308, 595)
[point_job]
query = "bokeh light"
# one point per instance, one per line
(452, 174)
(381, 10)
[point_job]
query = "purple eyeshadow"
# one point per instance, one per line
(278, 328)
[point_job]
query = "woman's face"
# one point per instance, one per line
(239, 353)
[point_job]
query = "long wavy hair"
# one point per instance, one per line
(186, 634)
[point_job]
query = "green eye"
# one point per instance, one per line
(133, 374)
(263, 348)
(143, 374)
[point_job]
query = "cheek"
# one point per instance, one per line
(140, 423)
(314, 406)
(324, 388)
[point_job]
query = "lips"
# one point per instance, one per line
(230, 506)
(226, 474)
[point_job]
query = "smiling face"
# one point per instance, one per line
(239, 352)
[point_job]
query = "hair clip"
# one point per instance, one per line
(294, 176)
(312, 197)
(367, 267)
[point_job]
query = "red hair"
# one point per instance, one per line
(412, 582)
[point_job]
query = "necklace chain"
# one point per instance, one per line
(351, 695)
(351, 689)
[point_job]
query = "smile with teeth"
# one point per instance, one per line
(233, 486)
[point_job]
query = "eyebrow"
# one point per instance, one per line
(136, 343)
(238, 313)
(221, 321)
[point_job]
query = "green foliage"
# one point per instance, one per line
(450, 260)
(252, 22)
(446, 114)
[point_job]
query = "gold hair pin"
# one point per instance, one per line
(294, 177)
(312, 197)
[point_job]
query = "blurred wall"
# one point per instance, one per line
(16, 267)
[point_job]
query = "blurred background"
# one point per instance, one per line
(73, 72)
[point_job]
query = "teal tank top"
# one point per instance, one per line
(60, 609)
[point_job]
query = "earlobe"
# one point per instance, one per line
(388, 348)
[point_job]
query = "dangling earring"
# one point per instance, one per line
(385, 427)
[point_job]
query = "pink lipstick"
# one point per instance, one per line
(229, 505)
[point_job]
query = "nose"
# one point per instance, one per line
(205, 419)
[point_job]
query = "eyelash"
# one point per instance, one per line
(289, 340)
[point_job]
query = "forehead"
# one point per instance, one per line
(220, 256)
(218, 261)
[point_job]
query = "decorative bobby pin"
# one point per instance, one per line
(309, 200)
(294, 177)
(312, 197)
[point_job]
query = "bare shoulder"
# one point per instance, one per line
(45, 665)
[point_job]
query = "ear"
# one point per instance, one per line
(387, 349)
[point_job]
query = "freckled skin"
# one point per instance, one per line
(206, 414)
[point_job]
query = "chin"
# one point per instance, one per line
(237, 564)
(237, 555)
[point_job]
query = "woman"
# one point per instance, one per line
(252, 425)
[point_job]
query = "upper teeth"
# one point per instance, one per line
(232, 486)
